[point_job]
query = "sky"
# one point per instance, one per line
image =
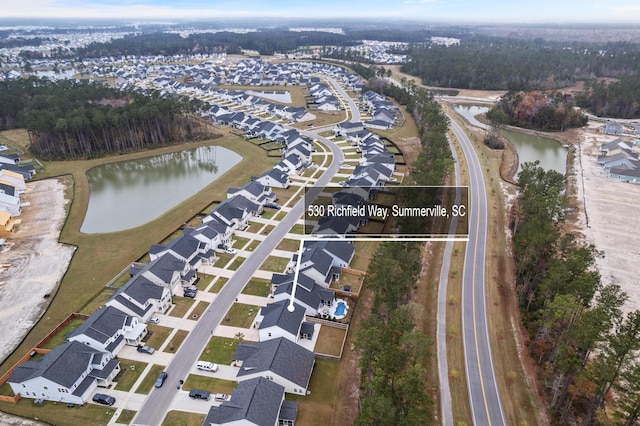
(454, 11)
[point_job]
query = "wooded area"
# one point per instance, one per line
(492, 63)
(618, 99)
(586, 350)
(537, 110)
(70, 120)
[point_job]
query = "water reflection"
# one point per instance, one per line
(549, 152)
(130, 193)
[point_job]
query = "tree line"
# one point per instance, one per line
(70, 120)
(618, 99)
(394, 353)
(497, 63)
(587, 352)
(537, 110)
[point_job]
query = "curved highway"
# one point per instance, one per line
(484, 397)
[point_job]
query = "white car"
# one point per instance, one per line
(153, 320)
(230, 250)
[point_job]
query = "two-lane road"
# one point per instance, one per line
(484, 396)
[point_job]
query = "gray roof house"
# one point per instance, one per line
(311, 298)
(280, 360)
(275, 178)
(69, 373)
(612, 128)
(258, 402)
(141, 298)
(275, 320)
(167, 271)
(108, 329)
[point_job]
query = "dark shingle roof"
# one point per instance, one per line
(278, 356)
(63, 365)
(257, 400)
(102, 325)
(277, 314)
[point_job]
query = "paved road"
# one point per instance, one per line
(484, 397)
(155, 407)
(446, 410)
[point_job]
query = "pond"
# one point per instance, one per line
(130, 193)
(551, 154)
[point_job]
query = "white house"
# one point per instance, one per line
(69, 373)
(275, 321)
(141, 298)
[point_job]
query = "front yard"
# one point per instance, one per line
(219, 350)
(240, 315)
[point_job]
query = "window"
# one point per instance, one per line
(269, 334)
(45, 388)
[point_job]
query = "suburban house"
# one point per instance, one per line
(274, 321)
(612, 128)
(10, 200)
(342, 129)
(230, 214)
(185, 247)
(336, 225)
(341, 252)
(258, 402)
(279, 360)
(214, 230)
(167, 271)
(14, 179)
(625, 174)
(141, 298)
(69, 373)
(253, 191)
(622, 159)
(315, 264)
(309, 295)
(274, 178)
(108, 329)
(614, 147)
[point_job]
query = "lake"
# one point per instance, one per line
(551, 154)
(130, 193)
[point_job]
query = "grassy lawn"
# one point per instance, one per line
(59, 414)
(5, 389)
(181, 306)
(205, 280)
(199, 309)
(58, 338)
(219, 350)
(254, 227)
(330, 340)
(364, 253)
(240, 242)
(267, 229)
(213, 385)
(99, 300)
(348, 279)
(240, 315)
(275, 264)
(183, 418)
(257, 287)
(128, 375)
(126, 416)
(236, 263)
(289, 245)
(268, 213)
(176, 341)
(254, 244)
(85, 277)
(217, 286)
(158, 335)
(317, 409)
(150, 379)
(223, 259)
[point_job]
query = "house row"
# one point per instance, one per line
(383, 112)
(620, 160)
(12, 186)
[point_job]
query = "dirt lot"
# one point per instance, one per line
(37, 261)
(609, 217)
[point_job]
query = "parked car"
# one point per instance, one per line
(101, 398)
(346, 288)
(199, 394)
(230, 250)
(161, 378)
(153, 320)
(207, 366)
(221, 397)
(272, 206)
(190, 293)
(146, 349)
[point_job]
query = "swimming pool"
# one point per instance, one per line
(341, 309)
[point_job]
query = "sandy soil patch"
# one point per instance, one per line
(38, 262)
(609, 218)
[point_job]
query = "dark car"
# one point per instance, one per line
(190, 293)
(272, 206)
(199, 394)
(161, 378)
(101, 398)
(146, 349)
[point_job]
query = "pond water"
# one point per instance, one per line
(130, 193)
(278, 96)
(551, 154)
